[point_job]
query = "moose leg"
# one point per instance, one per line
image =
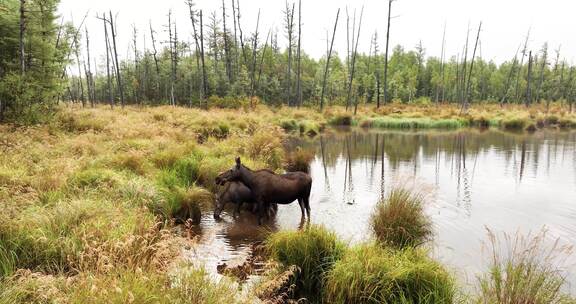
(301, 203)
(307, 205)
(261, 211)
(237, 210)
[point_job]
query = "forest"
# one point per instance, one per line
(226, 65)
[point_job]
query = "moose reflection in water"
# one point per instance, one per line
(270, 188)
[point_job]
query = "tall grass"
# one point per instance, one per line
(313, 250)
(299, 160)
(399, 220)
(415, 123)
(372, 274)
(524, 270)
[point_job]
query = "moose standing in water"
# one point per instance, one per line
(237, 194)
(270, 188)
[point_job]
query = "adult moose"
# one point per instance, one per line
(268, 187)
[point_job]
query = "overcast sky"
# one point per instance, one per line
(506, 22)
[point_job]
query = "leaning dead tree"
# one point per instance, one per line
(254, 52)
(353, 63)
(299, 58)
(524, 51)
(440, 89)
(227, 59)
(466, 103)
(89, 75)
(197, 47)
(328, 61)
(204, 80)
(386, 54)
(117, 64)
(529, 81)
(289, 15)
(108, 77)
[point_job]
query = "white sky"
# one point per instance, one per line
(506, 22)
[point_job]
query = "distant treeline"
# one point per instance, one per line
(226, 65)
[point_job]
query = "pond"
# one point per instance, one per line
(473, 180)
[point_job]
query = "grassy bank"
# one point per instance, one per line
(509, 117)
(90, 200)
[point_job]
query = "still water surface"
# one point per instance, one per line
(473, 180)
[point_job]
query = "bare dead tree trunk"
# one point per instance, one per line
(109, 80)
(262, 60)
(354, 60)
(226, 45)
(118, 74)
(254, 52)
(542, 69)
(529, 82)
(136, 65)
(236, 59)
(386, 54)
(81, 82)
(156, 64)
(376, 52)
(299, 57)
(328, 61)
(204, 80)
(90, 76)
(197, 45)
(441, 86)
(171, 43)
(509, 79)
(524, 50)
(289, 30)
(468, 96)
(240, 31)
(462, 93)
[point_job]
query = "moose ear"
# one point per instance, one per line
(238, 162)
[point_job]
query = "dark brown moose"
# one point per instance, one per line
(268, 187)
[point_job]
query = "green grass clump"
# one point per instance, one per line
(342, 120)
(94, 178)
(313, 250)
(399, 220)
(180, 199)
(523, 270)
(299, 161)
(415, 123)
(372, 274)
(514, 123)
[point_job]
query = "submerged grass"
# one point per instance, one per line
(399, 220)
(372, 274)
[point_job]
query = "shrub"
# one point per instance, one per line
(313, 250)
(372, 274)
(299, 161)
(182, 204)
(131, 161)
(514, 123)
(342, 120)
(93, 178)
(72, 123)
(399, 221)
(523, 270)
